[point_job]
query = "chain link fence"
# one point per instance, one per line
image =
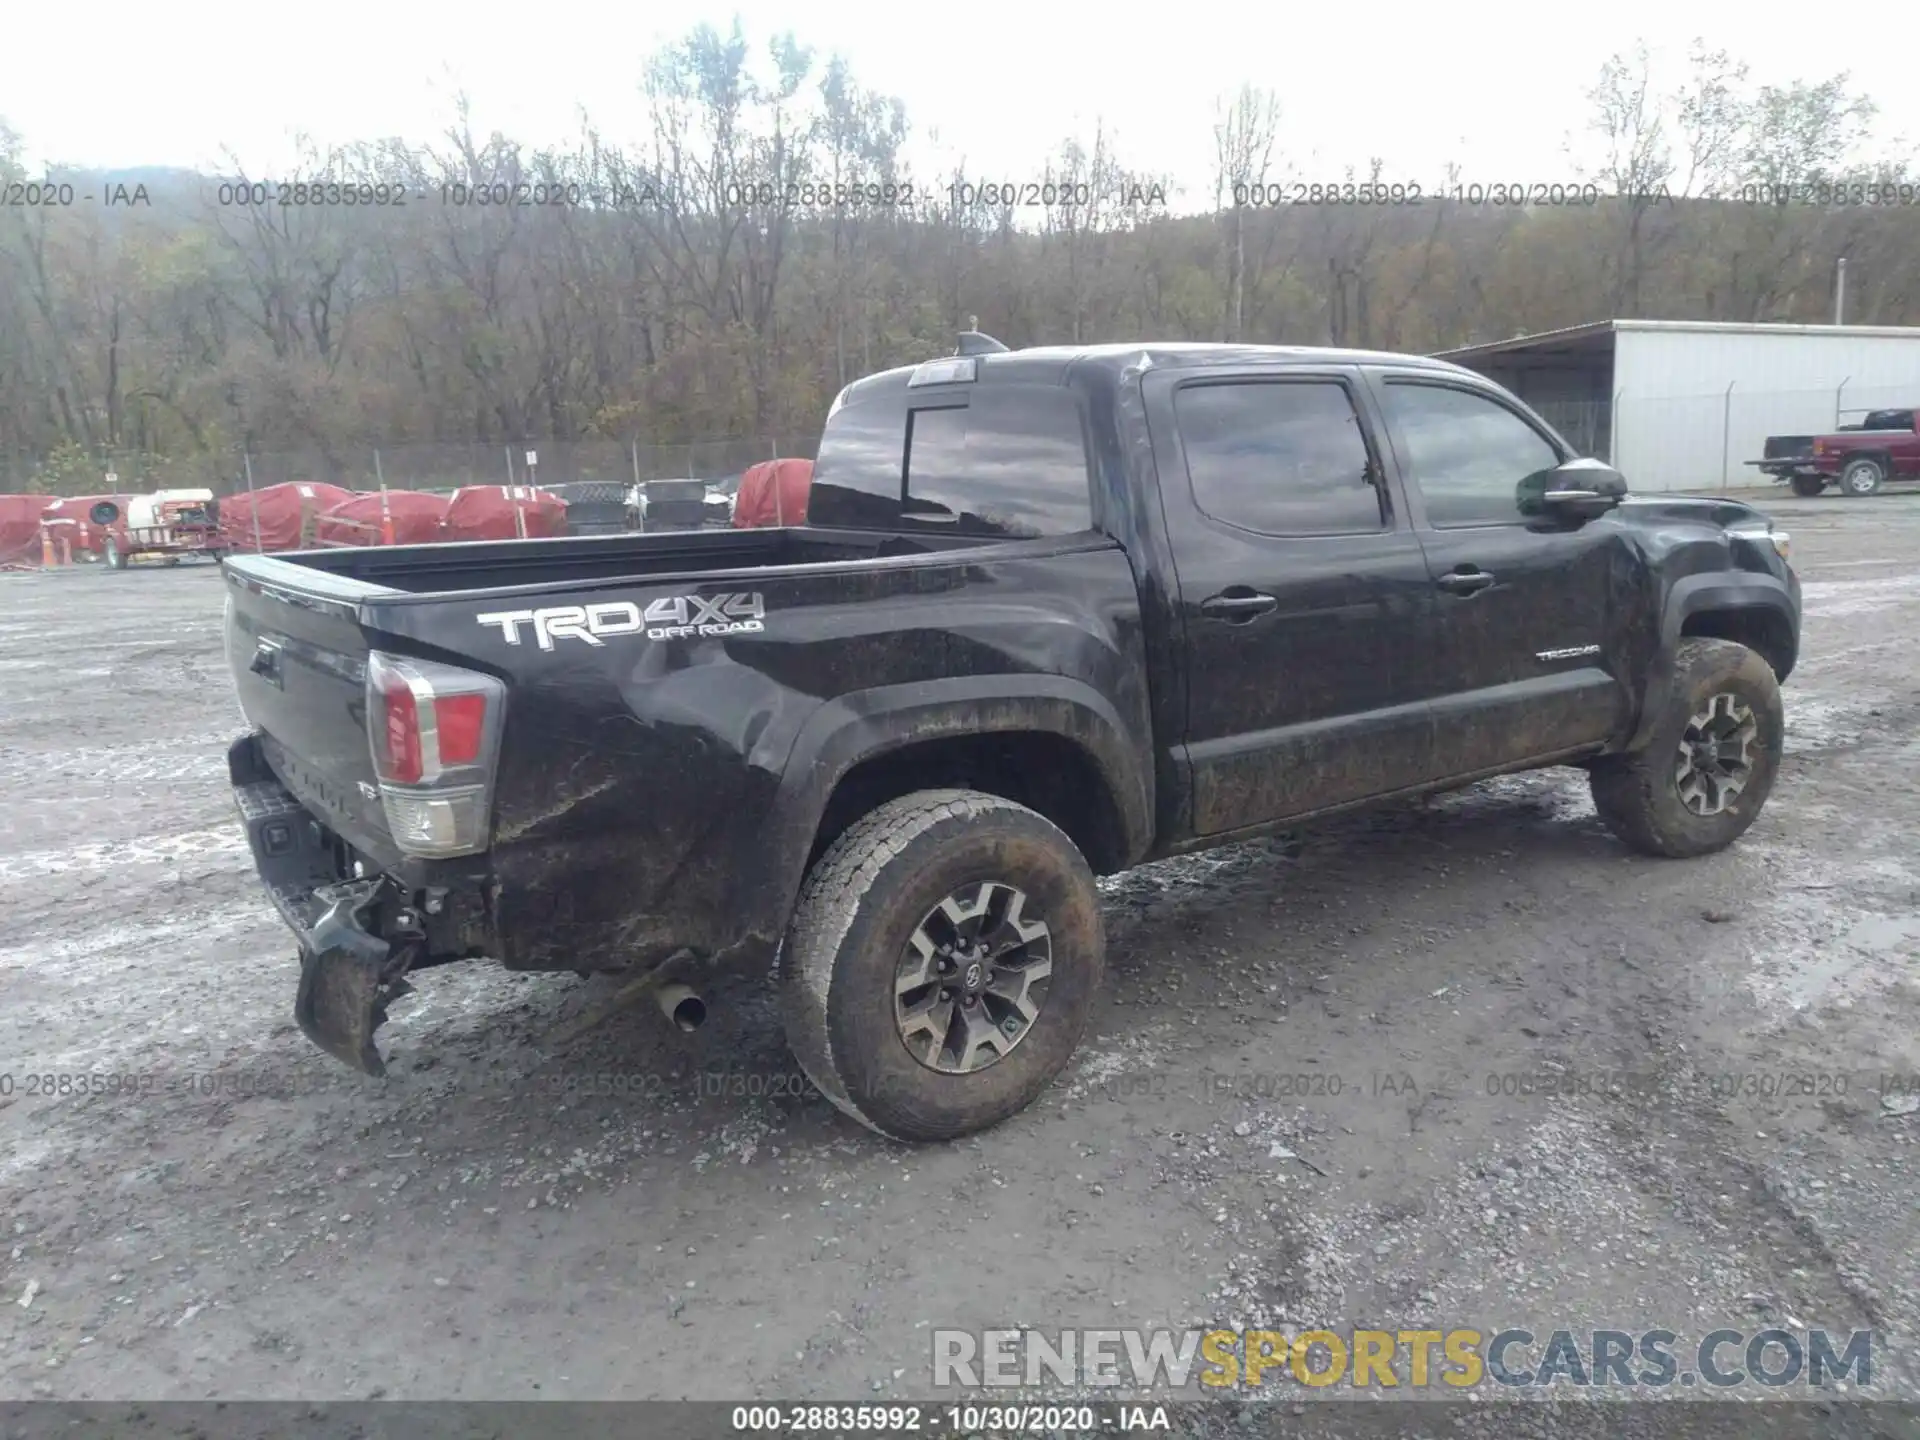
(76, 471)
(1587, 425)
(1704, 441)
(1660, 442)
(439, 468)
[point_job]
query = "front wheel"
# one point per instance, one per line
(116, 557)
(941, 963)
(1862, 477)
(1808, 486)
(1709, 763)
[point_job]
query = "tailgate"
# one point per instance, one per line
(299, 663)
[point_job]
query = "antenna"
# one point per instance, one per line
(972, 342)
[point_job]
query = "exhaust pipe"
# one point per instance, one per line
(686, 1010)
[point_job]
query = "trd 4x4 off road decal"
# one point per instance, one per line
(671, 618)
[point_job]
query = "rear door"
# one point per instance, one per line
(1527, 649)
(299, 663)
(1304, 597)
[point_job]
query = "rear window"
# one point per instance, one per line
(1001, 463)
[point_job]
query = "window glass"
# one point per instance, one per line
(1284, 457)
(1005, 462)
(856, 476)
(1012, 464)
(1475, 461)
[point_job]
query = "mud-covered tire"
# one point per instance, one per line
(1862, 476)
(1638, 795)
(116, 557)
(1808, 486)
(860, 905)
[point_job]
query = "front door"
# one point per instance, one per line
(1304, 595)
(1528, 606)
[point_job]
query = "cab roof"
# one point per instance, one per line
(1051, 364)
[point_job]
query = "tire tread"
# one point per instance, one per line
(1625, 788)
(829, 903)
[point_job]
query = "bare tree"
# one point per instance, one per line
(1245, 131)
(1637, 165)
(685, 282)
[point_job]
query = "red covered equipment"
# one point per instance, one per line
(289, 515)
(356, 520)
(486, 512)
(68, 519)
(20, 528)
(774, 492)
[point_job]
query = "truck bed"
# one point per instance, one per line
(300, 628)
(499, 564)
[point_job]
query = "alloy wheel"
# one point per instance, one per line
(1715, 758)
(972, 978)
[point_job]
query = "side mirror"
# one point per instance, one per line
(1574, 490)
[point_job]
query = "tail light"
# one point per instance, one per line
(435, 734)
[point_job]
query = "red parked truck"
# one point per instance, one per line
(1856, 459)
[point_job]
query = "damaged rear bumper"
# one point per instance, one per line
(348, 977)
(357, 936)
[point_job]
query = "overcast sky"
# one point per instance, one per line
(116, 84)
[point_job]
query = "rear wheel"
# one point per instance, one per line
(116, 557)
(1710, 762)
(1808, 486)
(941, 964)
(1863, 476)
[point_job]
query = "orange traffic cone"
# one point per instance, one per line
(47, 559)
(386, 518)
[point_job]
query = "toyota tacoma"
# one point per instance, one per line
(1054, 613)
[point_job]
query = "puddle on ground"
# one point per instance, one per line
(1821, 725)
(1884, 932)
(1815, 953)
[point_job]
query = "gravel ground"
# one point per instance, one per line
(250, 1220)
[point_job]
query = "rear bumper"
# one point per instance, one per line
(347, 978)
(357, 936)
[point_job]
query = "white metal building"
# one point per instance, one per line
(1680, 404)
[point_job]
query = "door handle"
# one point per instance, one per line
(1464, 581)
(1237, 605)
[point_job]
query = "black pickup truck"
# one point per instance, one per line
(1055, 612)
